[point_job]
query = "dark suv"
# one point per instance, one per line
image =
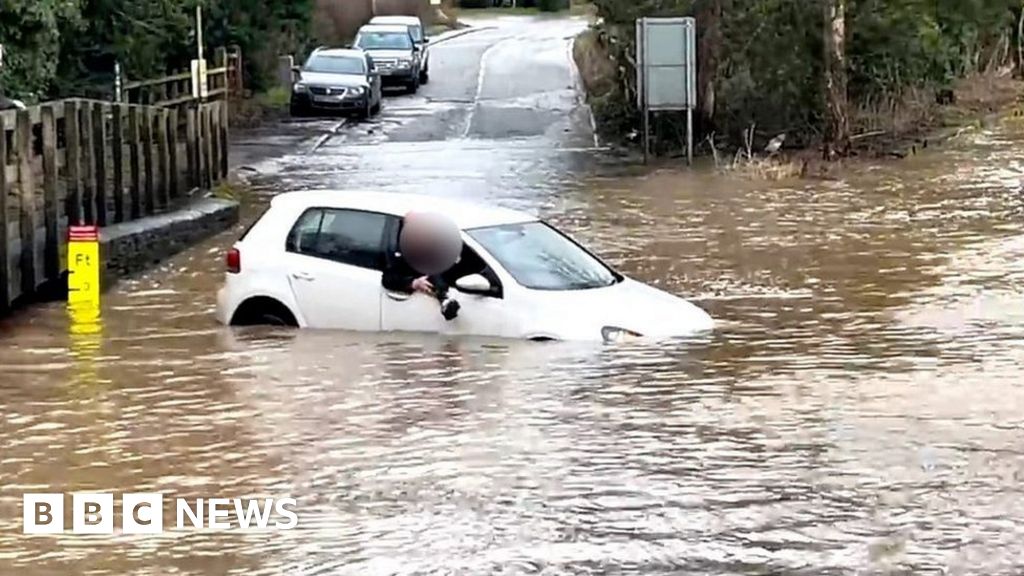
(394, 51)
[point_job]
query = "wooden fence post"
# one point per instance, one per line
(51, 258)
(208, 161)
(135, 191)
(172, 144)
(191, 149)
(99, 141)
(72, 161)
(5, 255)
(214, 143)
(220, 60)
(224, 135)
(88, 173)
(147, 160)
(117, 156)
(163, 160)
(27, 198)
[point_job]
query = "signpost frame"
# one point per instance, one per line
(666, 68)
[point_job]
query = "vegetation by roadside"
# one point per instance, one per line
(840, 76)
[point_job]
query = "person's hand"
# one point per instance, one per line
(422, 284)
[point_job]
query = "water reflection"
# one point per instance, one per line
(858, 409)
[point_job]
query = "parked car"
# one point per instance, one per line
(337, 80)
(419, 36)
(397, 55)
(315, 260)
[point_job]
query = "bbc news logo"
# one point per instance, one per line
(143, 513)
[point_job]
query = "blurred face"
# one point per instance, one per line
(431, 243)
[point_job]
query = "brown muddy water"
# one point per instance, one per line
(859, 409)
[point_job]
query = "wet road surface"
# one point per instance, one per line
(858, 411)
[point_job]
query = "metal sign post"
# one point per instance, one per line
(200, 88)
(667, 71)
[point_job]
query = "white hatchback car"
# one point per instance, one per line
(315, 259)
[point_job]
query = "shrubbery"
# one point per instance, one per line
(769, 69)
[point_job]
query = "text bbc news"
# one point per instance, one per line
(143, 513)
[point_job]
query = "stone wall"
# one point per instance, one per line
(132, 247)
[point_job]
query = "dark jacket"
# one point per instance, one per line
(398, 276)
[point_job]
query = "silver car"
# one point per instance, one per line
(337, 80)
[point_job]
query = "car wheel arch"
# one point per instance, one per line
(258, 309)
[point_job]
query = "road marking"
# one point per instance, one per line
(480, 84)
(326, 137)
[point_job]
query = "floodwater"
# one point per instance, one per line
(858, 410)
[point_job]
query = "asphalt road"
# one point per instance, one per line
(503, 100)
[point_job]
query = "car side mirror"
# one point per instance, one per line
(474, 284)
(426, 40)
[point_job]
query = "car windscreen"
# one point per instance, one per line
(542, 258)
(335, 65)
(384, 41)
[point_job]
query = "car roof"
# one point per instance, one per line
(405, 20)
(384, 28)
(336, 52)
(465, 214)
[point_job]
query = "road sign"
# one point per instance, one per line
(667, 69)
(84, 273)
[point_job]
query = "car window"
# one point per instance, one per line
(384, 41)
(417, 33)
(542, 258)
(320, 63)
(346, 236)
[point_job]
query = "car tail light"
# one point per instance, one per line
(233, 261)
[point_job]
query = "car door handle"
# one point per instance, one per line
(304, 276)
(397, 296)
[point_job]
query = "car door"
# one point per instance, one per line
(481, 314)
(335, 259)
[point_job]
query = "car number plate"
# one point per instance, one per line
(327, 98)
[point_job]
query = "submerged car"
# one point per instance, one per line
(419, 36)
(337, 80)
(315, 260)
(398, 57)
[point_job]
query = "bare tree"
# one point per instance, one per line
(709, 52)
(837, 121)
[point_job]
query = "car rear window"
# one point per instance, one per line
(253, 223)
(350, 237)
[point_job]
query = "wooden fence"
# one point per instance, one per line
(224, 79)
(90, 162)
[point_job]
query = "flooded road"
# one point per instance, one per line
(858, 410)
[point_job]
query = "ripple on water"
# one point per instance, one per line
(858, 409)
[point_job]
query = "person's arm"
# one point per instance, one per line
(396, 279)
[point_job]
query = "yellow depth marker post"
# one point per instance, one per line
(84, 278)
